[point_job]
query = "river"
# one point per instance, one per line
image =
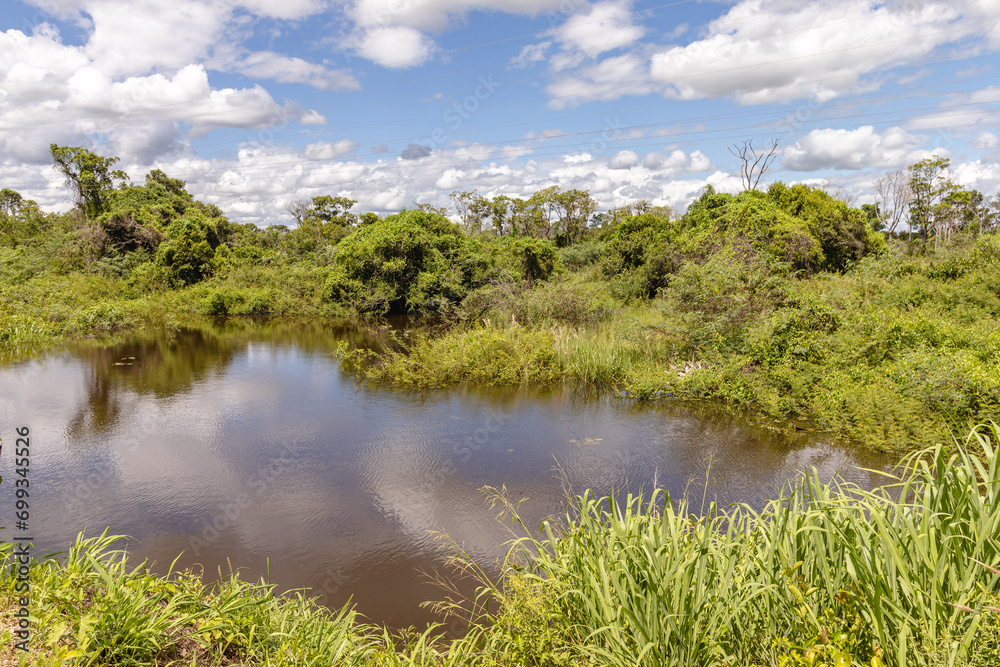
(247, 446)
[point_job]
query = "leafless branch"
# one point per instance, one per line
(753, 163)
(893, 198)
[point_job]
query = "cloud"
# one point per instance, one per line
(397, 47)
(436, 15)
(322, 150)
(52, 92)
(624, 160)
(55, 93)
(986, 141)
(771, 50)
(607, 80)
(530, 54)
(284, 9)
(152, 35)
(974, 110)
(607, 26)
(853, 149)
(270, 65)
(980, 175)
(677, 162)
(415, 152)
(380, 148)
(393, 33)
(312, 117)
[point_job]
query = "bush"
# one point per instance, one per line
(106, 317)
(186, 255)
(581, 255)
(801, 227)
(419, 262)
(532, 259)
(239, 302)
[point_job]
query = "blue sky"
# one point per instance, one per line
(256, 103)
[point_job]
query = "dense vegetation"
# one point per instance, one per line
(787, 303)
(827, 575)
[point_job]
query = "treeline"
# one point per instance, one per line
(926, 201)
(786, 302)
(157, 235)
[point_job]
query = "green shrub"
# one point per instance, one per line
(103, 317)
(581, 255)
(186, 255)
(533, 259)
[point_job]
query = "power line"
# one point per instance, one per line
(316, 166)
(881, 98)
(507, 83)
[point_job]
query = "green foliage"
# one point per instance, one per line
(829, 574)
(798, 226)
(640, 257)
(322, 222)
(569, 302)
(240, 302)
(532, 259)
(581, 255)
(407, 262)
(419, 262)
(21, 221)
(89, 175)
(187, 255)
(104, 317)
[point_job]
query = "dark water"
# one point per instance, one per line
(250, 444)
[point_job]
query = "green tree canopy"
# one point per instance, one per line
(89, 175)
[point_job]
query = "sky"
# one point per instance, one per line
(259, 103)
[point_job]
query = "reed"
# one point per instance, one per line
(826, 574)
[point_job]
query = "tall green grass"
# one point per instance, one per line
(826, 574)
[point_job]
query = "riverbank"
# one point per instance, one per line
(816, 322)
(827, 575)
(894, 352)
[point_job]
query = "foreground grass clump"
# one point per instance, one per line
(828, 574)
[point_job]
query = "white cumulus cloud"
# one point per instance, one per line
(853, 149)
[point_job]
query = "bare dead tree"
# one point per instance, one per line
(753, 163)
(298, 210)
(893, 196)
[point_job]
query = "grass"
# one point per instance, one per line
(827, 574)
(892, 353)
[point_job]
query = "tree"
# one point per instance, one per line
(991, 214)
(963, 210)
(331, 210)
(322, 221)
(893, 197)
(753, 163)
(541, 213)
(89, 175)
(930, 186)
(10, 202)
(474, 209)
(574, 207)
(187, 255)
(298, 210)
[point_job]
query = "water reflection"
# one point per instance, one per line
(247, 443)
